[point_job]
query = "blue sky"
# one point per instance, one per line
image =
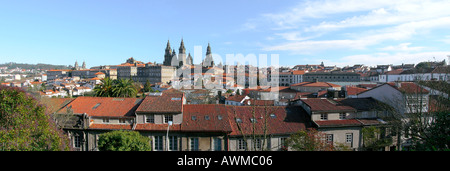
(338, 32)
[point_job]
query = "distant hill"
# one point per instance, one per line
(12, 65)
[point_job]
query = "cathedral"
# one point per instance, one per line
(172, 59)
(76, 67)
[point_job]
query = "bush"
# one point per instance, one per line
(123, 141)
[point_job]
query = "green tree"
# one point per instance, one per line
(148, 87)
(105, 88)
(25, 126)
(309, 140)
(372, 139)
(123, 141)
(124, 88)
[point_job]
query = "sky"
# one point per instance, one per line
(336, 32)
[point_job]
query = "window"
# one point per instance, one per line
(122, 120)
(168, 118)
(194, 144)
(329, 138)
(105, 120)
(158, 143)
(257, 144)
(242, 145)
(238, 120)
(173, 143)
(96, 105)
(149, 118)
(77, 141)
(323, 116)
(283, 142)
(342, 115)
(217, 144)
(349, 138)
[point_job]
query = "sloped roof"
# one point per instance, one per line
(104, 106)
(166, 103)
(285, 120)
(322, 104)
(205, 118)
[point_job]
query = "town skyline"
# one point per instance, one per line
(337, 33)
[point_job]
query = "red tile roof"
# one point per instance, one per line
(286, 120)
(338, 123)
(166, 103)
(354, 90)
(236, 98)
(104, 106)
(322, 104)
(111, 126)
(349, 122)
(205, 118)
(408, 87)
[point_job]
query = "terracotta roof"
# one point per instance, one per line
(351, 90)
(284, 120)
(408, 87)
(104, 106)
(166, 103)
(316, 84)
(338, 123)
(322, 104)
(99, 73)
(364, 104)
(111, 126)
(236, 98)
(205, 118)
(254, 102)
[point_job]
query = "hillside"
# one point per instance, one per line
(12, 65)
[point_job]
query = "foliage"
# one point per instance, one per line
(372, 140)
(24, 125)
(115, 88)
(123, 141)
(124, 88)
(437, 135)
(148, 87)
(309, 140)
(104, 89)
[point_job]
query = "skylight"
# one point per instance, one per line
(273, 115)
(219, 117)
(194, 118)
(95, 107)
(238, 120)
(176, 98)
(207, 117)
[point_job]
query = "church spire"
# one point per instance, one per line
(182, 53)
(168, 55)
(208, 62)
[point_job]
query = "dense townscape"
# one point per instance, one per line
(350, 108)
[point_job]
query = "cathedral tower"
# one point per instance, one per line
(182, 54)
(168, 55)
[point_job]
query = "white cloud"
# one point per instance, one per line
(386, 58)
(402, 47)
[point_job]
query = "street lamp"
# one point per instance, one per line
(167, 135)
